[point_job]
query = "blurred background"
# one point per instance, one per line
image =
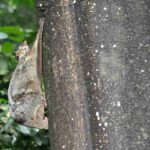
(17, 23)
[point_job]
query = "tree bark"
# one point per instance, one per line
(96, 62)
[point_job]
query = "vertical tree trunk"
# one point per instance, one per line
(69, 124)
(96, 74)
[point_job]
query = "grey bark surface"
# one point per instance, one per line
(96, 62)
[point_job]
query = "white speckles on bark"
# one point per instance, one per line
(112, 44)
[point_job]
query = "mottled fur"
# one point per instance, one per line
(26, 101)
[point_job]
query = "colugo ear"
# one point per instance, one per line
(25, 43)
(25, 46)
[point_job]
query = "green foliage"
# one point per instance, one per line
(15, 27)
(17, 137)
(13, 33)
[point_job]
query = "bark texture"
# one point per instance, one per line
(96, 73)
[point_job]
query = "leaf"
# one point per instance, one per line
(27, 3)
(3, 65)
(3, 36)
(8, 124)
(14, 33)
(2, 100)
(38, 140)
(7, 47)
(14, 139)
(23, 129)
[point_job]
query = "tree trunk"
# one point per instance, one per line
(96, 62)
